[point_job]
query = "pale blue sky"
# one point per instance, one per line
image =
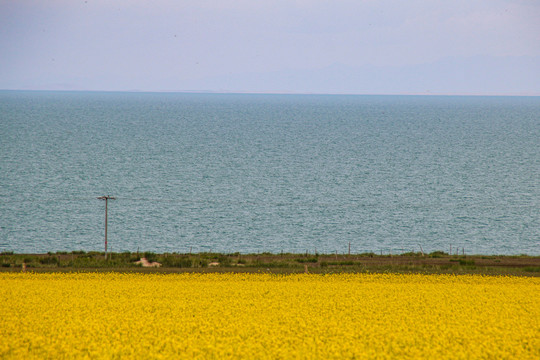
(311, 46)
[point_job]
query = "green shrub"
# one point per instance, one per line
(150, 256)
(367, 254)
(224, 260)
(307, 260)
(49, 260)
(442, 267)
(86, 261)
(275, 264)
(203, 262)
(338, 263)
(438, 254)
(412, 253)
(176, 261)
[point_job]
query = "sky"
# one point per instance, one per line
(478, 47)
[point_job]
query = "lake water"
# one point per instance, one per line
(269, 173)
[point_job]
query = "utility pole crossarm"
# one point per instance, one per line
(106, 198)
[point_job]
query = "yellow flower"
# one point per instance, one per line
(264, 316)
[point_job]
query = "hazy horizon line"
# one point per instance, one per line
(240, 92)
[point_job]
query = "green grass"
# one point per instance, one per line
(337, 263)
(436, 262)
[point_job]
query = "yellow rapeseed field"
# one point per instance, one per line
(264, 316)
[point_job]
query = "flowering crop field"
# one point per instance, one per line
(258, 316)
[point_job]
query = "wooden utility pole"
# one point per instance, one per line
(106, 198)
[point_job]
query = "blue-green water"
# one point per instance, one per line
(256, 173)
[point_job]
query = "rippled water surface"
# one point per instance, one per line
(255, 173)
